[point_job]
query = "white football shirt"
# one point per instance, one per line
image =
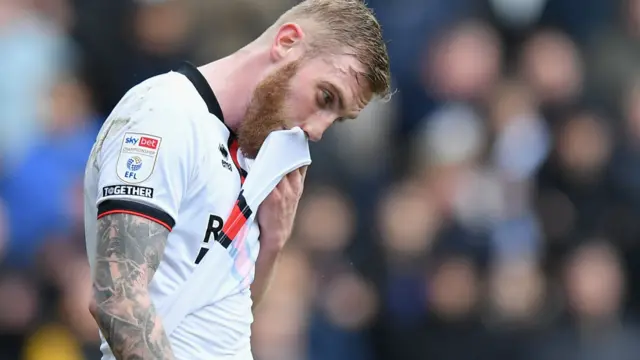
(165, 154)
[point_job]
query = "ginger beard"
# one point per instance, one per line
(266, 111)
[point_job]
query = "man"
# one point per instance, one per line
(169, 162)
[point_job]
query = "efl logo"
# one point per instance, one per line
(148, 143)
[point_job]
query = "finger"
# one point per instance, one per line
(285, 184)
(277, 192)
(297, 182)
(295, 177)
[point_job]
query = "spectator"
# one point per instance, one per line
(38, 190)
(596, 327)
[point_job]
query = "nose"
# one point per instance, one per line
(315, 128)
(314, 135)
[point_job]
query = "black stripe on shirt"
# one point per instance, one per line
(109, 207)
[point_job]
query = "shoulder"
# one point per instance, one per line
(165, 102)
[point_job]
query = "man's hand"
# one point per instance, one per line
(277, 212)
(275, 217)
(129, 251)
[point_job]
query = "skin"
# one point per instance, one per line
(129, 252)
(323, 90)
(278, 210)
(312, 101)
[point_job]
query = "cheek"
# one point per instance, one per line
(301, 106)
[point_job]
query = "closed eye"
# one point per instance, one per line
(326, 99)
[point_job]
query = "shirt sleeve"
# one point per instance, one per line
(144, 168)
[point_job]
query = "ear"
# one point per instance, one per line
(288, 38)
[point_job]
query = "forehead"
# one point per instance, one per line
(343, 64)
(343, 71)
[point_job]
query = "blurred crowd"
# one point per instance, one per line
(490, 210)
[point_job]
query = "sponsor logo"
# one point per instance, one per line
(127, 190)
(227, 165)
(131, 140)
(223, 151)
(214, 226)
(142, 141)
(138, 157)
(148, 142)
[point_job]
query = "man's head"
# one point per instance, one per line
(327, 61)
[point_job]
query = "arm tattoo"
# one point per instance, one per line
(128, 254)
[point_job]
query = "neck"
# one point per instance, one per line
(233, 80)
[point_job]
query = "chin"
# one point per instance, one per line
(250, 154)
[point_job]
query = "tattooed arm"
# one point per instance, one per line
(128, 254)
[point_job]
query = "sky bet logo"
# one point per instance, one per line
(142, 141)
(138, 157)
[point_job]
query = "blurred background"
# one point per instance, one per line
(491, 210)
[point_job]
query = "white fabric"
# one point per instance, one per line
(282, 153)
